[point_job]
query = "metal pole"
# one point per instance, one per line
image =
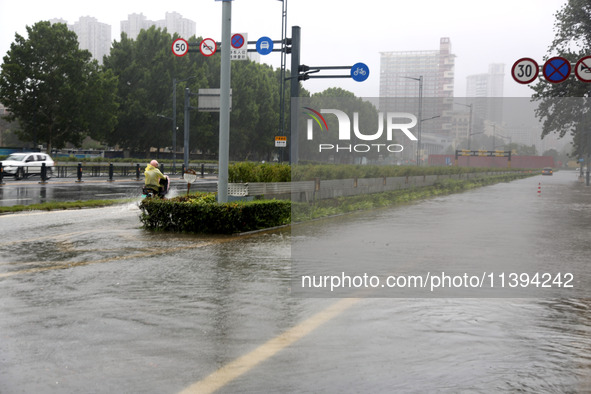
(282, 73)
(493, 140)
(295, 93)
(225, 74)
(186, 141)
(587, 175)
(420, 119)
(470, 136)
(174, 125)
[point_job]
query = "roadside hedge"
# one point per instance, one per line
(201, 213)
(255, 172)
(246, 172)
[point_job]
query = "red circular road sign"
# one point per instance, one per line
(237, 41)
(208, 47)
(525, 70)
(180, 47)
(583, 69)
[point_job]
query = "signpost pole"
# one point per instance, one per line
(174, 125)
(186, 131)
(224, 145)
(295, 93)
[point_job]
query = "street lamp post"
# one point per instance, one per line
(420, 79)
(173, 119)
(174, 83)
(469, 129)
(173, 138)
(469, 122)
(493, 135)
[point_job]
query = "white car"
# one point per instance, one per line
(21, 165)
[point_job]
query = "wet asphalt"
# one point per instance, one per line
(91, 302)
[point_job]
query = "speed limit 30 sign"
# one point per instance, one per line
(180, 47)
(525, 70)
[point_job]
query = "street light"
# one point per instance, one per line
(469, 122)
(174, 83)
(173, 140)
(420, 79)
(432, 117)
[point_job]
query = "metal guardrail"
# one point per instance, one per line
(323, 189)
(109, 171)
(114, 170)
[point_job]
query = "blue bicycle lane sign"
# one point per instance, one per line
(359, 72)
(556, 69)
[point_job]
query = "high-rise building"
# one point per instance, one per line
(486, 85)
(407, 75)
(484, 92)
(134, 24)
(398, 71)
(173, 23)
(93, 36)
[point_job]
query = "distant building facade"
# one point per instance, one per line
(401, 76)
(481, 89)
(173, 23)
(435, 66)
(93, 35)
(487, 84)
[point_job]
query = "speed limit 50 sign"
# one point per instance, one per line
(180, 47)
(525, 70)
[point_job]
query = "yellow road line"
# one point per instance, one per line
(243, 364)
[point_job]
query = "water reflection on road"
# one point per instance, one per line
(92, 303)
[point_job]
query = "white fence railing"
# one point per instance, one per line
(322, 189)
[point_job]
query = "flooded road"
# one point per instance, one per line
(90, 302)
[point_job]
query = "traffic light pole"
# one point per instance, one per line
(295, 93)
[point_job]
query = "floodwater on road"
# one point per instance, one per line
(90, 302)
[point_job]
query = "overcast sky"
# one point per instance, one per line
(340, 33)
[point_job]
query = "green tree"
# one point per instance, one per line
(54, 89)
(347, 102)
(255, 111)
(202, 73)
(145, 68)
(558, 110)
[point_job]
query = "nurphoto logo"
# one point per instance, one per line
(401, 121)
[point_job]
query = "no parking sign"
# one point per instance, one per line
(556, 69)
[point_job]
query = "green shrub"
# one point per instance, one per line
(246, 172)
(307, 172)
(202, 214)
